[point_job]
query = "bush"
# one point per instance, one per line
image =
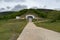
(54, 15)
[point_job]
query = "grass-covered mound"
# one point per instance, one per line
(12, 14)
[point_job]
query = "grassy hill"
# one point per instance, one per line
(8, 15)
(11, 28)
(53, 15)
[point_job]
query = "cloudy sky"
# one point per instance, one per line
(16, 4)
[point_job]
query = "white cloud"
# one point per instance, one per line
(19, 7)
(31, 3)
(13, 0)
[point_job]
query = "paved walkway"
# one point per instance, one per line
(31, 32)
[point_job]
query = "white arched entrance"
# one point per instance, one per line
(30, 17)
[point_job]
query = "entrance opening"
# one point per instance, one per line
(30, 17)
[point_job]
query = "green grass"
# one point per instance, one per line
(11, 29)
(55, 26)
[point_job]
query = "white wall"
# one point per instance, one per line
(17, 17)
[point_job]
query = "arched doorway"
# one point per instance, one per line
(30, 17)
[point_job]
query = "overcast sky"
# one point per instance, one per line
(51, 4)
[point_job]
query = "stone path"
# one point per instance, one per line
(31, 32)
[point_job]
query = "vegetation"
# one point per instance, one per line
(44, 13)
(11, 29)
(53, 16)
(11, 15)
(55, 26)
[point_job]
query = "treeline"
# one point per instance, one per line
(10, 15)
